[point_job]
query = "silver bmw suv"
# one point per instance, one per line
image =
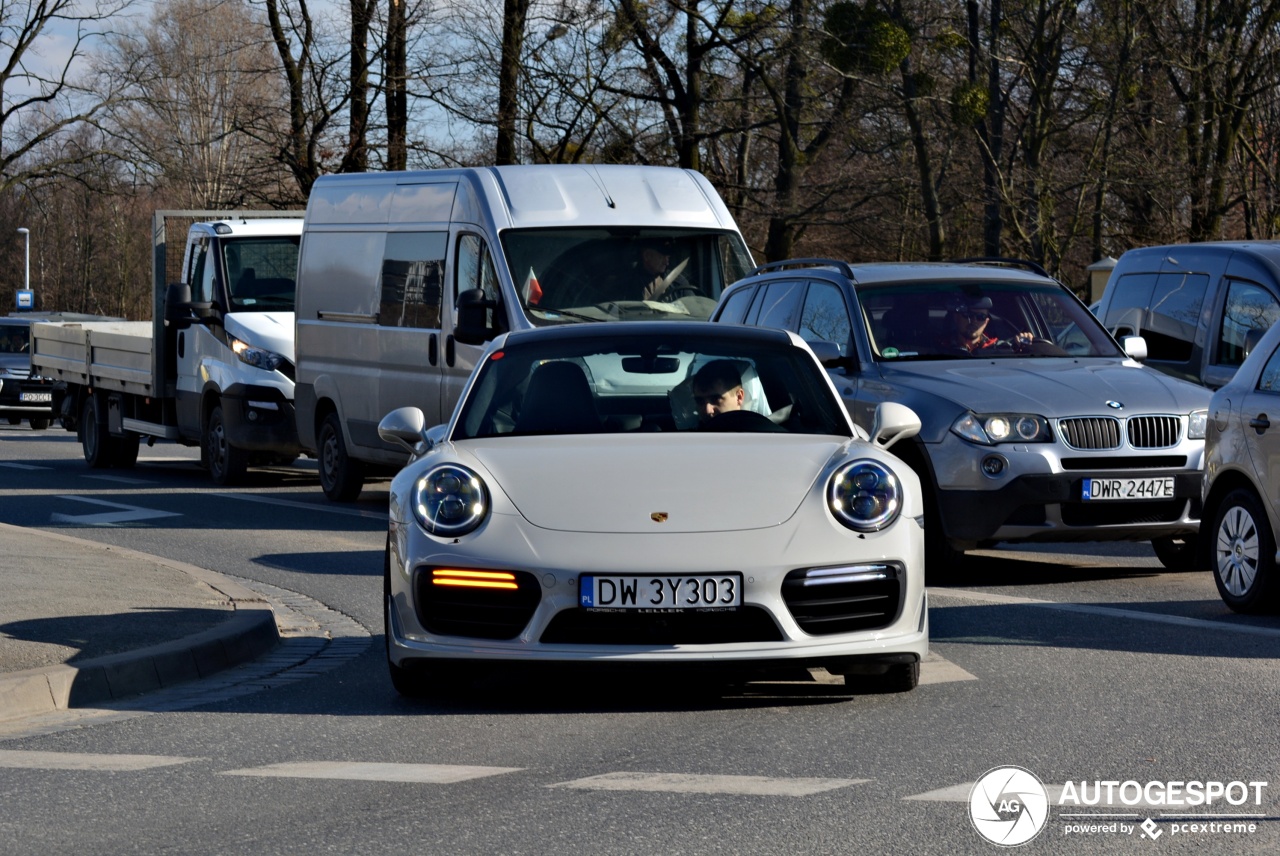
(1037, 424)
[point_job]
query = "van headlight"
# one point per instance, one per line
(259, 358)
(865, 495)
(450, 500)
(991, 428)
(1197, 424)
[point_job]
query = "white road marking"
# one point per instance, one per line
(129, 514)
(690, 783)
(939, 670)
(1110, 612)
(23, 466)
(308, 506)
(960, 793)
(435, 774)
(19, 759)
(120, 479)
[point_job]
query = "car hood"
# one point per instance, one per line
(270, 330)
(15, 364)
(1050, 388)
(702, 483)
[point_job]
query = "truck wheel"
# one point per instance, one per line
(227, 464)
(99, 450)
(340, 476)
(38, 424)
(126, 450)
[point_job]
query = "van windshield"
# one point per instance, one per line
(581, 274)
(261, 272)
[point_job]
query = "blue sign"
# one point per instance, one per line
(26, 298)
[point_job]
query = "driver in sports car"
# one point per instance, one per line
(717, 388)
(968, 321)
(653, 279)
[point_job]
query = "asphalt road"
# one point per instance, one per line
(1080, 663)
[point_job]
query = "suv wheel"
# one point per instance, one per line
(1244, 554)
(340, 476)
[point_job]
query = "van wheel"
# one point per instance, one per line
(340, 476)
(227, 464)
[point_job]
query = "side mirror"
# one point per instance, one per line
(1135, 347)
(1251, 340)
(473, 326)
(828, 353)
(177, 305)
(404, 426)
(893, 422)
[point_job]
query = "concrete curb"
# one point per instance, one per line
(248, 634)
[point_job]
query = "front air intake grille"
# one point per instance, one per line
(1090, 432)
(588, 627)
(1122, 513)
(477, 612)
(844, 599)
(1154, 432)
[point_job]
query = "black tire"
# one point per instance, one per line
(415, 683)
(341, 477)
(38, 424)
(15, 420)
(1243, 554)
(942, 562)
(1178, 554)
(95, 442)
(227, 464)
(897, 678)
(126, 450)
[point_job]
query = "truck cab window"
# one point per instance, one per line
(412, 274)
(201, 276)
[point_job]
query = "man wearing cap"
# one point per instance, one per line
(969, 319)
(651, 270)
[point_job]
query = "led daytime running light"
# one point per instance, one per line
(474, 579)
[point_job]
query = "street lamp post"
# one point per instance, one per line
(26, 256)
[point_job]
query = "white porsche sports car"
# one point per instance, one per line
(654, 493)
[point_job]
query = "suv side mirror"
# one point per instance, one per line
(474, 326)
(1135, 347)
(828, 353)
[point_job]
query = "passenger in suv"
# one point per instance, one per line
(1050, 433)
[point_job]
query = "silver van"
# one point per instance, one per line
(404, 276)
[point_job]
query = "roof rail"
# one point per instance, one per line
(842, 267)
(1000, 261)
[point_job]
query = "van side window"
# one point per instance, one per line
(1248, 307)
(1129, 301)
(412, 279)
(735, 308)
(1269, 380)
(474, 268)
(1170, 329)
(826, 317)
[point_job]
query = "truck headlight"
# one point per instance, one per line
(865, 495)
(450, 500)
(259, 358)
(1197, 424)
(992, 428)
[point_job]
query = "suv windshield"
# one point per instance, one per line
(601, 274)
(623, 384)
(15, 339)
(261, 272)
(946, 320)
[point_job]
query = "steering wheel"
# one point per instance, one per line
(677, 290)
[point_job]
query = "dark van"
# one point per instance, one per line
(1194, 304)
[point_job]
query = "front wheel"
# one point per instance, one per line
(227, 464)
(1244, 554)
(340, 476)
(95, 442)
(1178, 554)
(896, 678)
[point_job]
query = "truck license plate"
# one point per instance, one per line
(39, 397)
(658, 593)
(1104, 489)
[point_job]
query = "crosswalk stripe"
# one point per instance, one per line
(19, 759)
(436, 774)
(689, 783)
(14, 466)
(938, 670)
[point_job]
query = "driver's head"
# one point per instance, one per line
(970, 316)
(717, 388)
(655, 255)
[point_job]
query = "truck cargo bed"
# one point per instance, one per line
(112, 355)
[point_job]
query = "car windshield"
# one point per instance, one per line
(600, 274)
(15, 339)
(261, 272)
(949, 320)
(621, 384)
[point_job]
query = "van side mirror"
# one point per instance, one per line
(476, 312)
(1135, 347)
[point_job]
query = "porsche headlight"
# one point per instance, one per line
(865, 495)
(450, 500)
(992, 428)
(259, 358)
(1197, 424)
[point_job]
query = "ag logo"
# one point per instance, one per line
(1008, 806)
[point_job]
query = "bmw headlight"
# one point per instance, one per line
(992, 428)
(865, 495)
(259, 358)
(450, 500)
(1197, 424)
